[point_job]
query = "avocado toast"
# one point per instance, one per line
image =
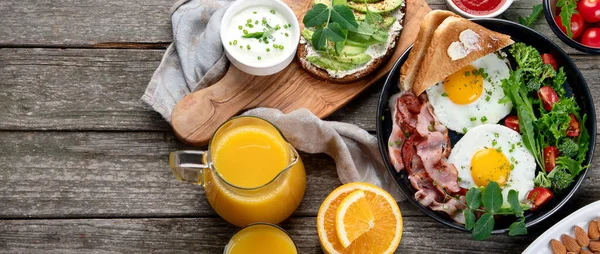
(344, 41)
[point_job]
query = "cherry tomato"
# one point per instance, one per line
(591, 37)
(590, 10)
(550, 154)
(512, 122)
(573, 129)
(549, 59)
(548, 97)
(539, 196)
(577, 24)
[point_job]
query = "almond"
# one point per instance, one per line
(595, 246)
(585, 252)
(593, 230)
(557, 247)
(582, 237)
(570, 243)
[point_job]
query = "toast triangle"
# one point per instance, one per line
(437, 63)
(409, 69)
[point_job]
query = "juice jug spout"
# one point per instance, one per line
(188, 166)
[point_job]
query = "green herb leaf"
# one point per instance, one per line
(474, 198)
(256, 35)
(319, 39)
(483, 227)
(517, 228)
(558, 82)
(515, 205)
(334, 33)
(567, 9)
(469, 219)
(492, 197)
(342, 15)
(535, 14)
(316, 16)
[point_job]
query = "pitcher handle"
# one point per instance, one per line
(188, 166)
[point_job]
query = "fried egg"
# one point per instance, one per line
(472, 96)
(494, 153)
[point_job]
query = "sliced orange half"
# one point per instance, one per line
(379, 232)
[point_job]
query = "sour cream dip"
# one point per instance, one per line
(260, 37)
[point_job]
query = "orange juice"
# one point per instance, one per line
(250, 182)
(261, 239)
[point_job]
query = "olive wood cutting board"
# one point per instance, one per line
(198, 115)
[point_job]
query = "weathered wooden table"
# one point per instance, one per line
(84, 161)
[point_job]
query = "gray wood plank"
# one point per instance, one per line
(99, 89)
(123, 24)
(209, 235)
(126, 174)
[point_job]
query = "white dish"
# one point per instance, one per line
(255, 66)
(579, 218)
(452, 6)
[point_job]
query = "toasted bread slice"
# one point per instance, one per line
(409, 69)
(317, 72)
(437, 63)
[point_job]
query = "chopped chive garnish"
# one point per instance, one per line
(254, 12)
(444, 95)
(248, 46)
(250, 25)
(465, 130)
(234, 42)
(275, 46)
(280, 46)
(268, 50)
(259, 58)
(230, 43)
(272, 11)
(473, 119)
(249, 21)
(245, 31)
(286, 35)
(240, 27)
(483, 119)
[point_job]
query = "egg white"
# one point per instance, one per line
(459, 117)
(511, 144)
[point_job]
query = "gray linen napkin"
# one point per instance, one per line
(196, 60)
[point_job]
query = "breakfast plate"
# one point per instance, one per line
(575, 85)
(579, 218)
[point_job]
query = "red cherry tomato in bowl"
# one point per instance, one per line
(573, 129)
(539, 196)
(577, 24)
(548, 97)
(549, 59)
(550, 154)
(589, 10)
(512, 122)
(591, 37)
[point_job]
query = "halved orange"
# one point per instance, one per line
(347, 208)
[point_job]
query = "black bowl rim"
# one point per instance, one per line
(382, 105)
(563, 37)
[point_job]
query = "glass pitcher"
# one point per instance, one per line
(250, 172)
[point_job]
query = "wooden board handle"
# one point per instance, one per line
(194, 116)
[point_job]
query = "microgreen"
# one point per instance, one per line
(330, 23)
(535, 14)
(489, 203)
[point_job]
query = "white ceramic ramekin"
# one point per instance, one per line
(457, 10)
(252, 68)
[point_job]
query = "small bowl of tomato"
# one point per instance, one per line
(585, 23)
(479, 8)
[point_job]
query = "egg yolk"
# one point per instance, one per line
(464, 86)
(489, 165)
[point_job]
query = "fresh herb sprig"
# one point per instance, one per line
(567, 9)
(489, 203)
(331, 24)
(535, 14)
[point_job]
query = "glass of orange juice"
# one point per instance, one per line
(250, 172)
(261, 238)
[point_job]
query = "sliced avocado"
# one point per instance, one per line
(387, 20)
(354, 60)
(329, 64)
(379, 7)
(356, 44)
(307, 34)
(348, 50)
